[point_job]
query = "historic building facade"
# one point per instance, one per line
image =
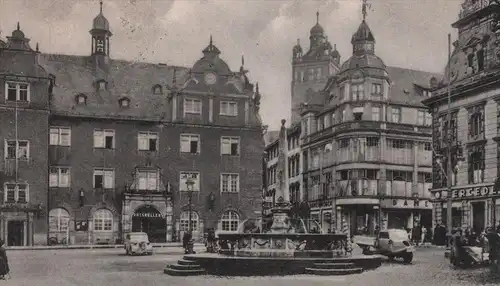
(106, 146)
(473, 131)
(294, 180)
(366, 143)
(311, 70)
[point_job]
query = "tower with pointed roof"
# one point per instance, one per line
(311, 70)
(100, 33)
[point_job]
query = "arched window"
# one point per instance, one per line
(58, 219)
(184, 221)
(103, 220)
(230, 221)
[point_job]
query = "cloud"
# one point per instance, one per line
(409, 34)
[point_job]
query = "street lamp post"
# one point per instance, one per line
(190, 243)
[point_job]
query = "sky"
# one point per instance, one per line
(410, 34)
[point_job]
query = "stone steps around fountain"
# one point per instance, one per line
(332, 272)
(334, 265)
(184, 267)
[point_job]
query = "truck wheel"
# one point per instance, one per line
(407, 258)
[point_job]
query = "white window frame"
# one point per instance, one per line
(6, 148)
(196, 179)
(193, 109)
(104, 172)
(228, 108)
(377, 118)
(104, 219)
(376, 88)
(357, 91)
(148, 176)
(427, 119)
(188, 137)
(16, 192)
(101, 143)
(420, 117)
(56, 135)
(184, 221)
(146, 137)
(56, 178)
(18, 91)
(229, 177)
(230, 219)
(396, 114)
(230, 140)
(62, 221)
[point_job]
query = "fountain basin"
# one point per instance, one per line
(284, 245)
(216, 264)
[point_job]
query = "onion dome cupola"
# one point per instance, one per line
(363, 47)
(297, 50)
(18, 41)
(317, 34)
(100, 34)
(211, 62)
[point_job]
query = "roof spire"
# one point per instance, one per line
(335, 47)
(298, 42)
(37, 48)
(18, 26)
(242, 59)
(211, 42)
(257, 88)
(364, 9)
(317, 17)
(100, 3)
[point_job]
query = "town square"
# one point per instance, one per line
(350, 142)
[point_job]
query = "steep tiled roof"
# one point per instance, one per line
(403, 85)
(77, 75)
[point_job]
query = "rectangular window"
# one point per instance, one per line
(148, 180)
(428, 119)
(194, 177)
(228, 108)
(358, 91)
(376, 89)
(476, 122)
(16, 193)
(104, 179)
(16, 91)
(59, 177)
(60, 136)
(420, 117)
(396, 114)
(342, 93)
(104, 138)
(311, 74)
(230, 183)
(376, 113)
(147, 141)
(192, 106)
(476, 164)
(230, 146)
(319, 74)
(190, 143)
(19, 149)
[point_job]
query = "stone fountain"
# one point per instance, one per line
(287, 248)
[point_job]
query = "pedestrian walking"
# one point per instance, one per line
(4, 262)
(423, 235)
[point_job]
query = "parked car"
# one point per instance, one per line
(138, 243)
(393, 243)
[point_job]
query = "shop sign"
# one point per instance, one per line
(475, 192)
(147, 215)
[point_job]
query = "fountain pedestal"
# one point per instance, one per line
(281, 219)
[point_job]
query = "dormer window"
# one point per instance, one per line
(157, 89)
(101, 85)
(81, 99)
(100, 45)
(124, 102)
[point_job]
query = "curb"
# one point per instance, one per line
(70, 247)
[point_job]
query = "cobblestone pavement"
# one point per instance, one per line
(112, 267)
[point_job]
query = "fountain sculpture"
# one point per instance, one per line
(287, 248)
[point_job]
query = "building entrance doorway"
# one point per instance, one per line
(478, 216)
(149, 220)
(15, 233)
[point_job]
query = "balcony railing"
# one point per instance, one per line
(399, 188)
(352, 155)
(400, 156)
(358, 187)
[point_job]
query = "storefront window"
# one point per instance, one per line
(103, 220)
(58, 220)
(184, 221)
(230, 221)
